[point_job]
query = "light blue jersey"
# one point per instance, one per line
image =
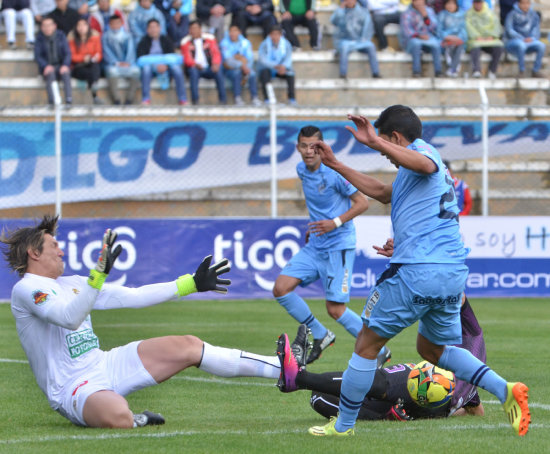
(424, 214)
(328, 196)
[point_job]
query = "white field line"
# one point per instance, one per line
(187, 433)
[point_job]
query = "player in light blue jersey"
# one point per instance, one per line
(329, 252)
(426, 277)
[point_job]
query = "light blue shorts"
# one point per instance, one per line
(334, 268)
(431, 293)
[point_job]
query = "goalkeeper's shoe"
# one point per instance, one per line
(328, 430)
(397, 412)
(148, 418)
(319, 345)
(300, 345)
(383, 357)
(289, 365)
(516, 407)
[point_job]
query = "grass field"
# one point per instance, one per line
(206, 414)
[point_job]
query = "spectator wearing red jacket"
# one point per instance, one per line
(202, 58)
(86, 54)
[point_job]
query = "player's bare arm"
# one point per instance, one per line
(367, 185)
(394, 147)
(359, 204)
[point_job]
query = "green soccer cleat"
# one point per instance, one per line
(516, 407)
(328, 430)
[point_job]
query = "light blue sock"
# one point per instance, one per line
(468, 368)
(299, 309)
(356, 383)
(351, 321)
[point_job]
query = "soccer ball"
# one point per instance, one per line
(430, 386)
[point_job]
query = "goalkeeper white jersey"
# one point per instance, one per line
(55, 328)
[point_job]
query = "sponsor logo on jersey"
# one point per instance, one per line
(345, 288)
(80, 342)
(437, 301)
(39, 297)
(371, 303)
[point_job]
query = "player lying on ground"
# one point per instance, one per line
(52, 315)
(427, 273)
(388, 397)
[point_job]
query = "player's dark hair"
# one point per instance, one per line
(310, 131)
(19, 241)
(401, 119)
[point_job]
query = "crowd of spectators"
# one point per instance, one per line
(89, 39)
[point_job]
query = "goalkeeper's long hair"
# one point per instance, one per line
(18, 242)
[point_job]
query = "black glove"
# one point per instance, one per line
(206, 277)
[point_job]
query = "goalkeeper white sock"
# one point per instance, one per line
(229, 362)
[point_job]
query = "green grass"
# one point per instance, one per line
(206, 415)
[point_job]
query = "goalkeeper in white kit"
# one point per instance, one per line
(82, 382)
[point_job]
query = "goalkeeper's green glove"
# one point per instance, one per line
(205, 278)
(106, 260)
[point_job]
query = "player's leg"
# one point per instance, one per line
(108, 409)
(300, 270)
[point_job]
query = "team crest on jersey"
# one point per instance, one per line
(39, 297)
(76, 291)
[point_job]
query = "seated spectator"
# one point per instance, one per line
(275, 60)
(483, 30)
(299, 12)
(353, 31)
(86, 55)
(64, 16)
(178, 22)
(384, 12)
(212, 14)
(436, 5)
(451, 29)
(139, 19)
(465, 5)
(419, 33)
(238, 64)
(156, 56)
(41, 8)
(505, 6)
(119, 59)
(522, 36)
(202, 58)
(253, 12)
(18, 10)
(100, 19)
(80, 6)
(53, 56)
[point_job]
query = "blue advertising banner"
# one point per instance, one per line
(510, 257)
(105, 160)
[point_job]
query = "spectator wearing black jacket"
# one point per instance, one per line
(53, 56)
(212, 14)
(253, 12)
(64, 16)
(299, 12)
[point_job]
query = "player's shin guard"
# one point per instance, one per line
(468, 368)
(351, 321)
(299, 309)
(356, 382)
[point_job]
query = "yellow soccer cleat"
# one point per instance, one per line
(516, 407)
(328, 430)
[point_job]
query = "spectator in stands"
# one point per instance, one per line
(384, 12)
(451, 29)
(436, 5)
(53, 56)
(462, 192)
(275, 60)
(238, 64)
(18, 10)
(100, 19)
(419, 33)
(178, 22)
(41, 8)
(505, 6)
(465, 5)
(119, 59)
(484, 31)
(299, 12)
(253, 12)
(522, 36)
(64, 16)
(86, 56)
(139, 19)
(212, 13)
(156, 56)
(353, 31)
(80, 6)
(202, 58)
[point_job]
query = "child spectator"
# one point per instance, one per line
(451, 29)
